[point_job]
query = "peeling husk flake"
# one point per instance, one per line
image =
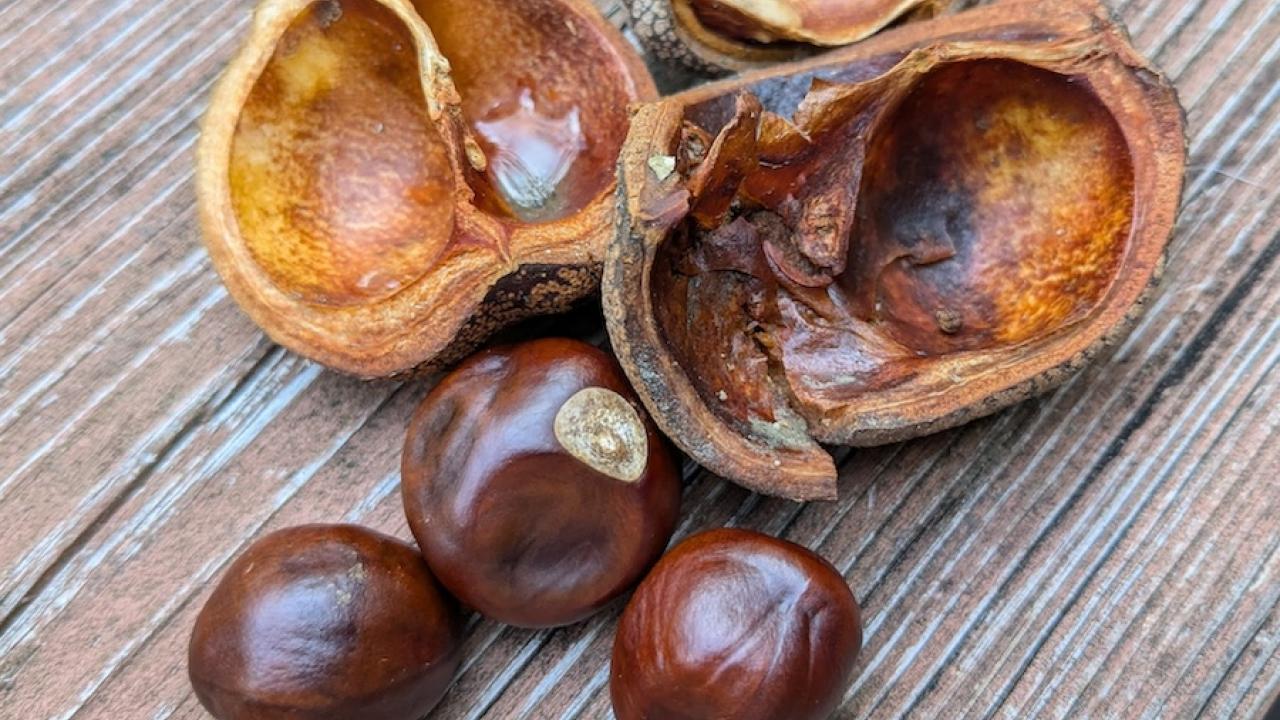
(382, 183)
(921, 229)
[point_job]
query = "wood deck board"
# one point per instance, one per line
(1109, 550)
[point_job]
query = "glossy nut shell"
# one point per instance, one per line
(736, 624)
(325, 622)
(535, 484)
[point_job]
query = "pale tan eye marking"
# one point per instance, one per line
(601, 429)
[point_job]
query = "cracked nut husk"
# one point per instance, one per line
(717, 36)
(891, 239)
(383, 183)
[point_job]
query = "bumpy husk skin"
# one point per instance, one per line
(530, 269)
(1078, 37)
(674, 35)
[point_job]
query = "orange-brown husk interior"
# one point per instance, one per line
(941, 232)
(340, 180)
(542, 90)
(378, 200)
(992, 209)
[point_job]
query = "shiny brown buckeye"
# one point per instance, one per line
(736, 624)
(325, 622)
(535, 484)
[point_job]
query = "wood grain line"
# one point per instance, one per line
(23, 33)
(1078, 595)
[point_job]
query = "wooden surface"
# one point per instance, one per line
(1107, 551)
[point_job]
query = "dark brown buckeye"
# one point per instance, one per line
(735, 624)
(535, 484)
(325, 622)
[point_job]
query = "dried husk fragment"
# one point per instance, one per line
(912, 233)
(383, 183)
(717, 36)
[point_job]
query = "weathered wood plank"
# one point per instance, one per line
(1109, 549)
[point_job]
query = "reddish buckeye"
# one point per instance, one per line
(325, 622)
(736, 624)
(535, 484)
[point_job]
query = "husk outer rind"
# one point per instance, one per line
(531, 291)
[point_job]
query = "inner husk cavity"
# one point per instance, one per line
(340, 183)
(346, 191)
(956, 217)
